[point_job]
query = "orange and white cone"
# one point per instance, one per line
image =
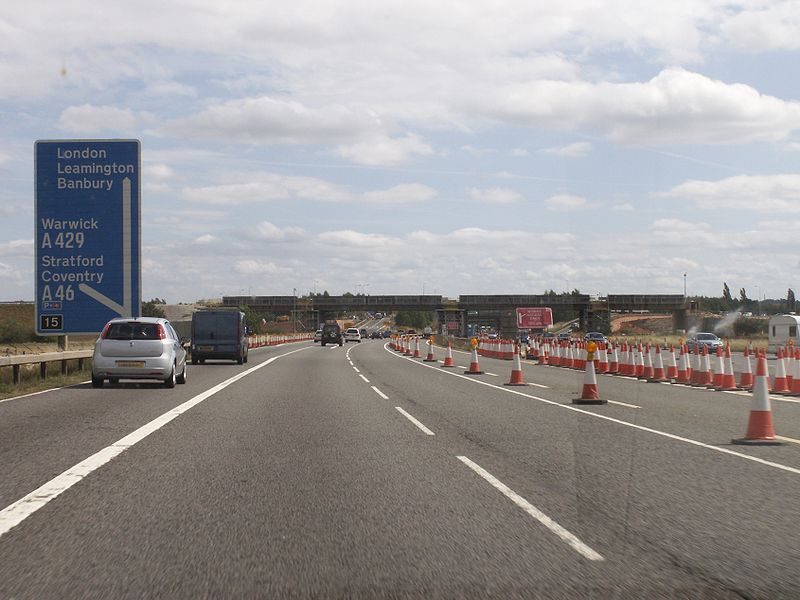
(430, 357)
(728, 378)
(416, 348)
(658, 367)
(516, 369)
(589, 394)
(602, 364)
(719, 370)
(448, 358)
(684, 374)
(746, 378)
(613, 361)
(544, 350)
(780, 386)
(638, 361)
(647, 371)
(795, 387)
(760, 431)
(474, 366)
(672, 367)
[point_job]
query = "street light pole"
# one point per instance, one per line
(684, 285)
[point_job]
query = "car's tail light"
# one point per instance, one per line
(105, 331)
(162, 334)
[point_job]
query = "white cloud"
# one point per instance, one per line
(349, 238)
(382, 150)
(88, 118)
(266, 187)
(259, 267)
(401, 194)
(158, 171)
(757, 193)
(625, 206)
(267, 120)
(494, 195)
(519, 152)
(764, 27)
(674, 107)
(4, 158)
(206, 239)
(268, 232)
(474, 151)
(565, 203)
(575, 150)
(17, 248)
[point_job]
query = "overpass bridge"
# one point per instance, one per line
(495, 310)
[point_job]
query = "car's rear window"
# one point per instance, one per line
(352, 331)
(706, 336)
(132, 331)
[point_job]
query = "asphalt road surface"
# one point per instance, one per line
(347, 472)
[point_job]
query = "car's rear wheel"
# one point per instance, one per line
(97, 382)
(239, 359)
(323, 344)
(194, 360)
(113, 380)
(169, 382)
(182, 377)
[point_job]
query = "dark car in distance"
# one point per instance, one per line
(332, 334)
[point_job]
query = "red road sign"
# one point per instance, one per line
(530, 318)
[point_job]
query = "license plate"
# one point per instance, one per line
(131, 363)
(205, 348)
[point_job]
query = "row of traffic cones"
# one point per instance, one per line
(760, 428)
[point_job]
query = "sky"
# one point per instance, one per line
(415, 147)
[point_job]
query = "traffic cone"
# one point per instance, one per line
(658, 368)
(684, 374)
(638, 364)
(474, 366)
(719, 370)
(647, 370)
(544, 349)
(589, 394)
(760, 431)
(746, 378)
(728, 378)
(613, 361)
(672, 367)
(700, 375)
(430, 357)
(448, 358)
(416, 348)
(602, 364)
(780, 386)
(516, 369)
(794, 387)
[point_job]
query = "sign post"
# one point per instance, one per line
(88, 234)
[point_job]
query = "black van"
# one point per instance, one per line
(219, 334)
(332, 334)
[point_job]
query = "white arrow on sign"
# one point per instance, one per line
(126, 308)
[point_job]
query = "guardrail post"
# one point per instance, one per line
(64, 367)
(80, 364)
(15, 374)
(43, 370)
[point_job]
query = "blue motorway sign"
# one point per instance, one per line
(88, 234)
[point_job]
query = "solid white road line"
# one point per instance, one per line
(63, 387)
(665, 434)
(529, 508)
(424, 429)
(787, 439)
(623, 404)
(364, 378)
(356, 369)
(380, 393)
(15, 513)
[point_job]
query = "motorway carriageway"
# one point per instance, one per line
(358, 472)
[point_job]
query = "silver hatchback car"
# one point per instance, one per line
(141, 348)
